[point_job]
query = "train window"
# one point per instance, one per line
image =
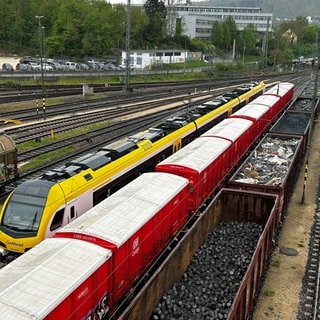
(57, 220)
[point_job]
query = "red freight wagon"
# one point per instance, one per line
(135, 223)
(284, 90)
(206, 160)
(274, 103)
(57, 279)
(258, 113)
(240, 132)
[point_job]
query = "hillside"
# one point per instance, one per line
(284, 9)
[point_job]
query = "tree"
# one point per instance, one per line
(217, 35)
(139, 25)
(247, 40)
(224, 33)
(156, 13)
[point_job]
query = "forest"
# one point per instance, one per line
(96, 28)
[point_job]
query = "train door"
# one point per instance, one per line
(78, 206)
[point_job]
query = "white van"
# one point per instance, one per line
(71, 65)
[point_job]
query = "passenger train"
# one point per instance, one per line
(36, 209)
(92, 263)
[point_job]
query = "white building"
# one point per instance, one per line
(197, 20)
(144, 59)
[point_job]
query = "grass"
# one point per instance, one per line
(57, 154)
(42, 159)
(269, 293)
(276, 263)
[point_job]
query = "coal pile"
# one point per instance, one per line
(209, 285)
(302, 105)
(269, 163)
(292, 123)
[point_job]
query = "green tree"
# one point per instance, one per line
(155, 31)
(139, 25)
(248, 40)
(224, 33)
(230, 33)
(217, 35)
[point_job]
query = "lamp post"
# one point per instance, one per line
(41, 30)
(243, 51)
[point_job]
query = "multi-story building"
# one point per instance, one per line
(197, 20)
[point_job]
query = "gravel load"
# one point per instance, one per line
(209, 285)
(302, 105)
(292, 123)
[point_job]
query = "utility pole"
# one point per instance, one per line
(265, 47)
(41, 47)
(128, 31)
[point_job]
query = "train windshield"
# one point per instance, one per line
(23, 212)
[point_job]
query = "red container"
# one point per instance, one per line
(206, 161)
(135, 224)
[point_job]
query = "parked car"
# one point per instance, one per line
(82, 67)
(71, 65)
(23, 67)
(56, 66)
(7, 67)
(47, 67)
(34, 66)
(111, 66)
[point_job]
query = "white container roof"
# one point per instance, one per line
(280, 89)
(267, 100)
(38, 281)
(121, 215)
(230, 129)
(252, 110)
(198, 154)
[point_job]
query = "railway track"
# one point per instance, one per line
(27, 93)
(85, 105)
(101, 113)
(310, 295)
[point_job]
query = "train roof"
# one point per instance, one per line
(6, 143)
(39, 280)
(118, 217)
(230, 129)
(37, 188)
(198, 154)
